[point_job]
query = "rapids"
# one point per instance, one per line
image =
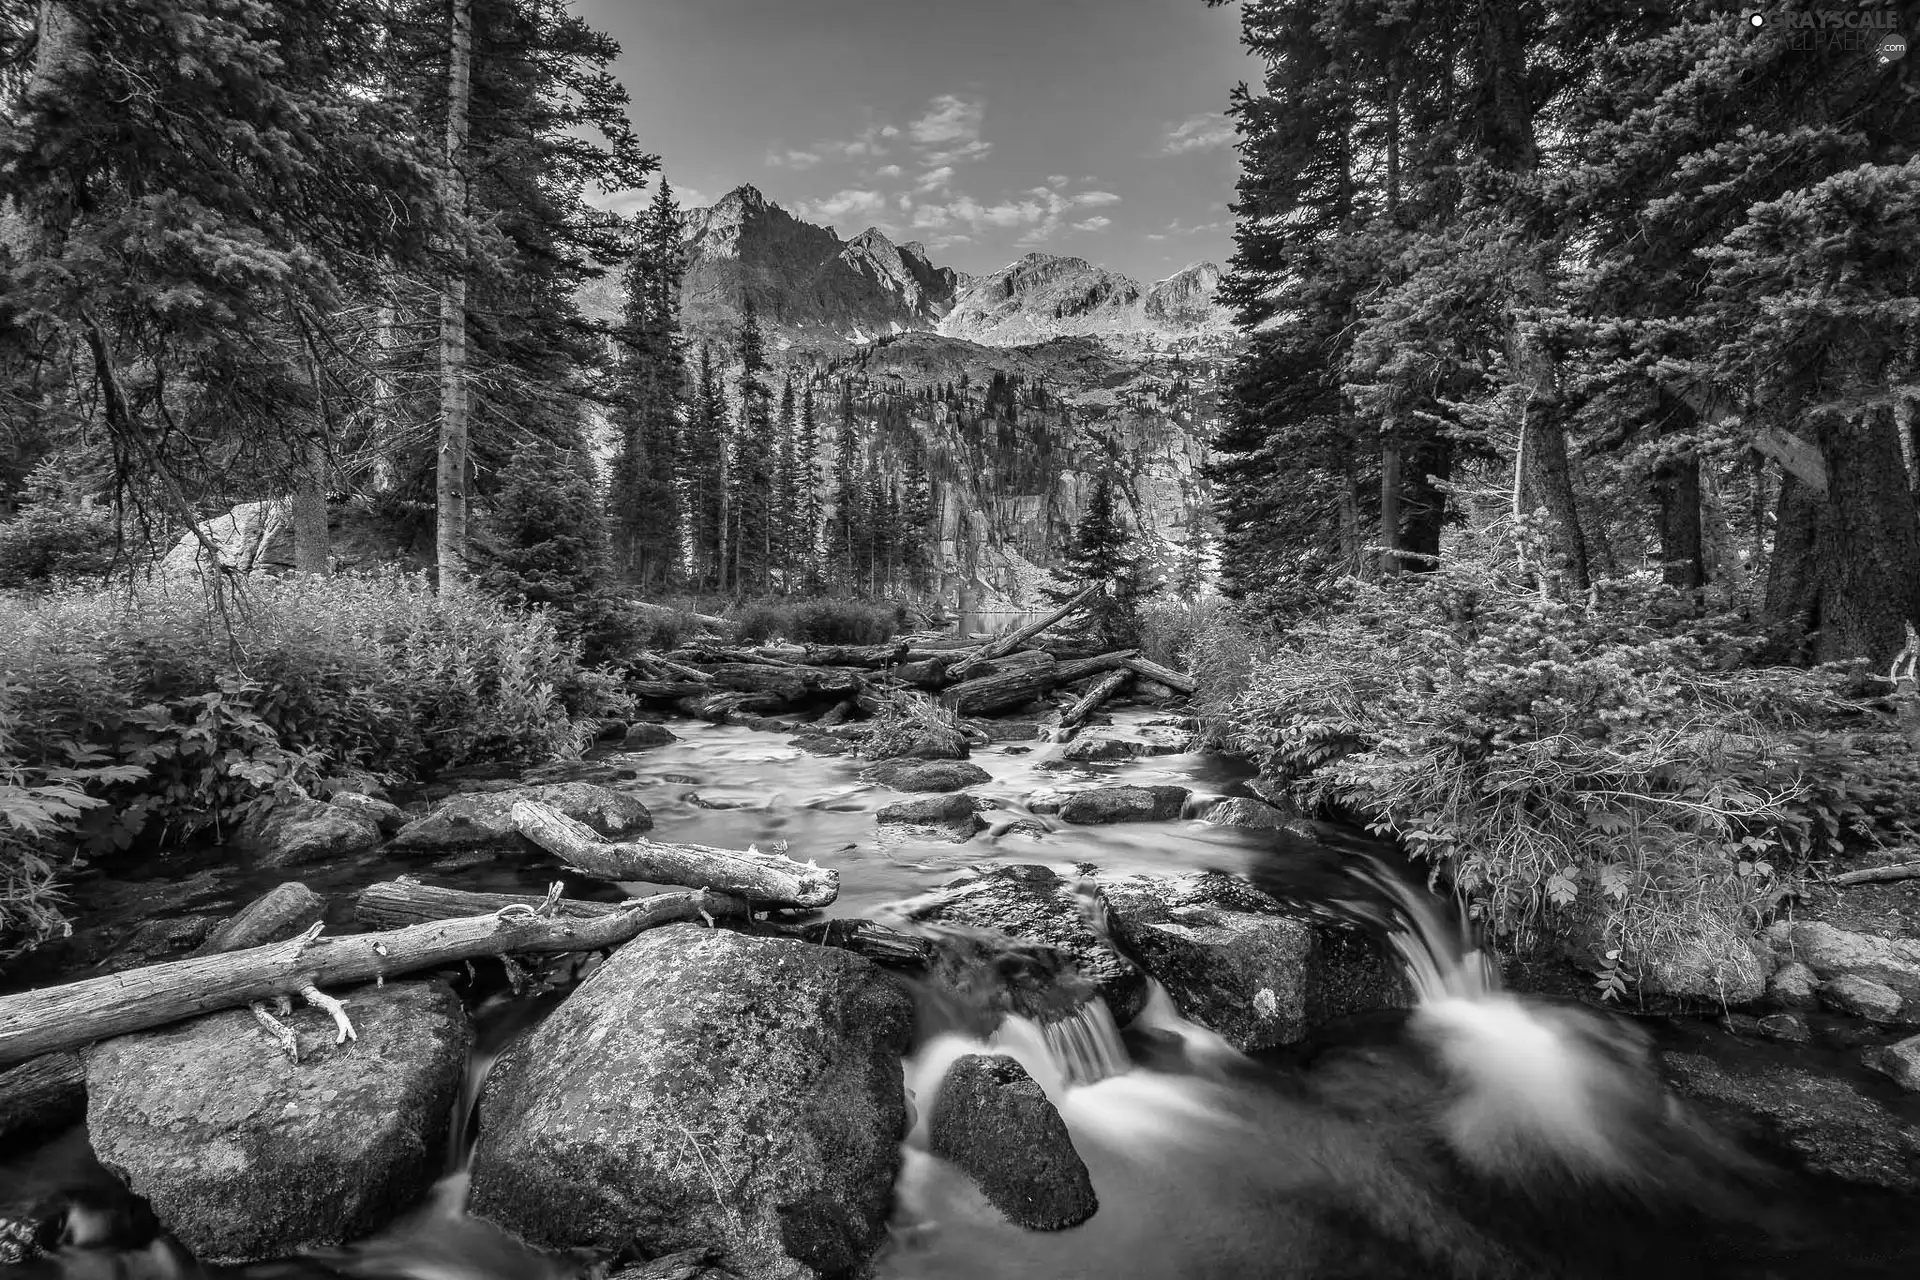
(1482, 1134)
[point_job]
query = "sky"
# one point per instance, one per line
(983, 128)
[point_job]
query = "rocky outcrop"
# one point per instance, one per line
(927, 775)
(1042, 296)
(244, 1154)
(484, 820)
(1255, 815)
(704, 1088)
(992, 1120)
(384, 814)
(1033, 905)
(1860, 973)
(638, 736)
(1899, 1062)
(1124, 804)
(950, 817)
(297, 832)
(1235, 961)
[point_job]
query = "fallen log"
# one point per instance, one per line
(719, 707)
(50, 1019)
(764, 879)
(993, 693)
(282, 912)
(669, 690)
(869, 656)
(1017, 639)
(42, 1095)
(1076, 715)
(395, 904)
(1175, 680)
(1878, 875)
(877, 942)
(679, 669)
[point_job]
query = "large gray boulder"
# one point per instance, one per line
(247, 1155)
(1841, 960)
(1237, 962)
(1032, 905)
(992, 1120)
(484, 820)
(297, 832)
(1124, 804)
(706, 1088)
(954, 817)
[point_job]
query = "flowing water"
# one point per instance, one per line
(1483, 1134)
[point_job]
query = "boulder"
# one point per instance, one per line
(1237, 962)
(1832, 953)
(933, 742)
(1710, 960)
(927, 775)
(822, 744)
(1049, 799)
(384, 814)
(244, 1154)
(1031, 904)
(1794, 986)
(1124, 804)
(485, 821)
(953, 817)
(1239, 811)
(706, 1088)
(600, 773)
(1861, 997)
(1093, 748)
(1827, 1124)
(298, 832)
(1899, 1062)
(998, 1126)
(647, 735)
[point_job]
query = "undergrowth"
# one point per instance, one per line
(1608, 771)
(906, 719)
(819, 621)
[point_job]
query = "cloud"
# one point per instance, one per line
(792, 159)
(1096, 198)
(934, 179)
(1095, 223)
(1058, 179)
(887, 171)
(842, 203)
(1038, 211)
(949, 118)
(1208, 131)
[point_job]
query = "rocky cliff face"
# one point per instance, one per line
(1041, 297)
(803, 280)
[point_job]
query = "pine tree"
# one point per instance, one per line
(916, 528)
(544, 544)
(787, 489)
(752, 480)
(807, 492)
(1101, 553)
(877, 550)
(703, 474)
(849, 529)
(643, 495)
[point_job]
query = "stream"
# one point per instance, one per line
(1482, 1135)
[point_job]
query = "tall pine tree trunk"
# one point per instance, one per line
(1389, 504)
(61, 52)
(1676, 487)
(450, 482)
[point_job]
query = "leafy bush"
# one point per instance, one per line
(819, 621)
(48, 541)
(1606, 768)
(302, 685)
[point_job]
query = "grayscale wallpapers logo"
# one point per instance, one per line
(1862, 30)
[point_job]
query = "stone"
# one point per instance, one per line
(485, 821)
(1899, 1062)
(933, 742)
(1239, 811)
(1048, 800)
(600, 773)
(246, 1155)
(1032, 906)
(1794, 986)
(1788, 1027)
(1011, 730)
(1827, 1124)
(992, 1120)
(1709, 960)
(1092, 748)
(1237, 962)
(383, 814)
(1125, 804)
(822, 744)
(647, 735)
(1861, 997)
(1831, 953)
(955, 817)
(700, 1088)
(297, 832)
(927, 775)
(1276, 795)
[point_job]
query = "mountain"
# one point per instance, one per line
(1042, 296)
(804, 281)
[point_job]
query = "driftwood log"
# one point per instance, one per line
(1148, 669)
(1109, 684)
(994, 693)
(668, 690)
(393, 903)
(764, 879)
(42, 1095)
(1016, 639)
(65, 1017)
